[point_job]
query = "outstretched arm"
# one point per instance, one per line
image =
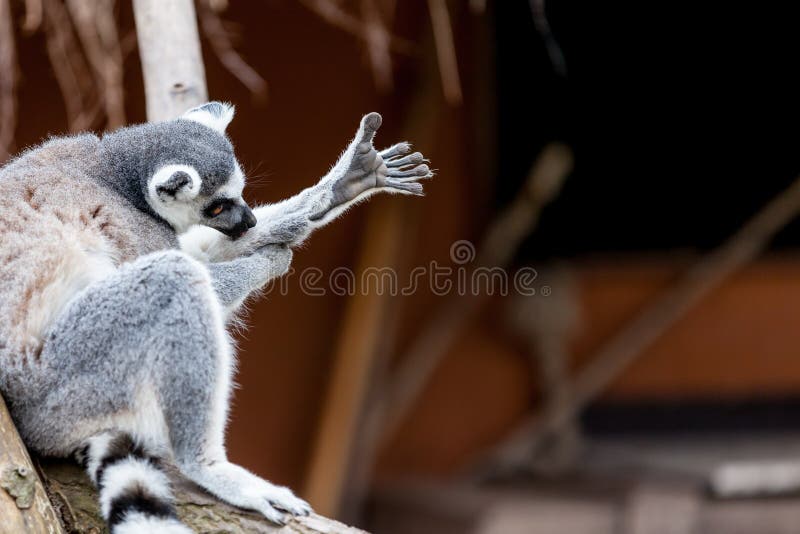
(360, 172)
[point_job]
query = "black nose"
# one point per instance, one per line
(244, 220)
(248, 217)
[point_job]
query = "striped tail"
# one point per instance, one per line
(135, 496)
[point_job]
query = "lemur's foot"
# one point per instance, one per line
(363, 169)
(238, 486)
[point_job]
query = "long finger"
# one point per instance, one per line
(420, 170)
(416, 157)
(399, 149)
(409, 188)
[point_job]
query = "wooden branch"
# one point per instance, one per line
(214, 30)
(74, 495)
(335, 15)
(24, 506)
(445, 51)
(8, 80)
(73, 504)
(172, 65)
(97, 30)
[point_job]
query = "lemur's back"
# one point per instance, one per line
(60, 229)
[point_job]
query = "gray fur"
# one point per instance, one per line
(111, 323)
(156, 144)
(109, 330)
(236, 279)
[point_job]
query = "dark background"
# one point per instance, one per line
(683, 118)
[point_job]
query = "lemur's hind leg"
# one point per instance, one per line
(155, 361)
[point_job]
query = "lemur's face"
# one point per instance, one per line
(199, 180)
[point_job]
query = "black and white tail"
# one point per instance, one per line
(135, 496)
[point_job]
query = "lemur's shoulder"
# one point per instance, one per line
(73, 153)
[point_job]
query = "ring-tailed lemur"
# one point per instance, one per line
(121, 259)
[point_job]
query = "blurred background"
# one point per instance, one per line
(588, 324)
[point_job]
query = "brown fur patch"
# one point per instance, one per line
(30, 198)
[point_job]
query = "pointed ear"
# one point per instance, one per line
(215, 115)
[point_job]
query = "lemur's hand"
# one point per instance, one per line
(278, 258)
(363, 169)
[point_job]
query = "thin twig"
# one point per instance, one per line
(543, 27)
(8, 80)
(106, 25)
(221, 43)
(378, 39)
(127, 44)
(445, 51)
(332, 13)
(33, 16)
(70, 69)
(477, 6)
(218, 5)
(101, 46)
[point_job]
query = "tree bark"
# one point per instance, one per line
(52, 496)
(24, 506)
(76, 499)
(172, 64)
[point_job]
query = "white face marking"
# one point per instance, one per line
(234, 187)
(177, 210)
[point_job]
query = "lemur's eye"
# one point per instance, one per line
(217, 207)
